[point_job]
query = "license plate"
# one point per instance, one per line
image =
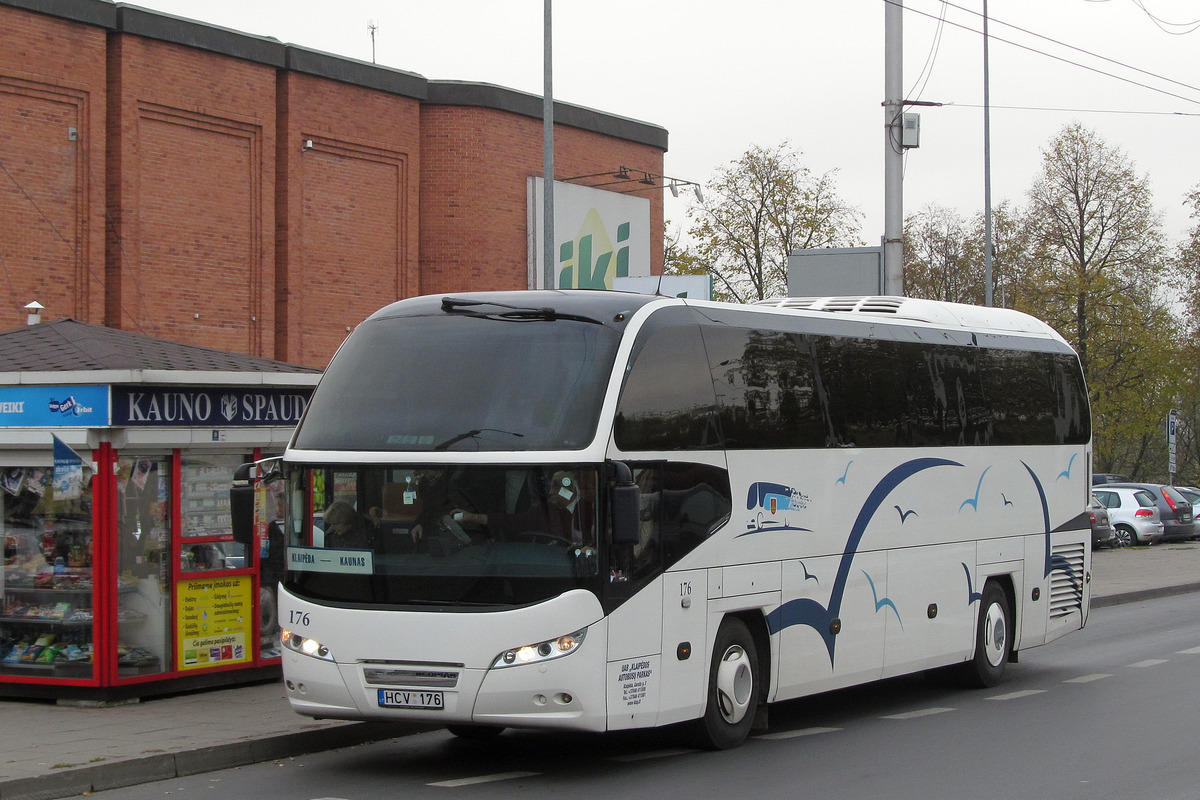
(404, 698)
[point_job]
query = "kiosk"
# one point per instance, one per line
(121, 576)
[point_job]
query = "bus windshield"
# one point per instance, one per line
(468, 535)
(464, 382)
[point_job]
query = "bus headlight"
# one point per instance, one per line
(542, 651)
(304, 645)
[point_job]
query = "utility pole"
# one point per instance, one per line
(987, 170)
(548, 259)
(893, 171)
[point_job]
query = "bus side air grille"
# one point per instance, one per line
(1066, 580)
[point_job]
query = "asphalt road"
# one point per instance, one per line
(1108, 712)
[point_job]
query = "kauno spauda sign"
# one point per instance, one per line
(207, 407)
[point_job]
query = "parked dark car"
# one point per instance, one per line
(1103, 533)
(1099, 478)
(1174, 510)
(1192, 493)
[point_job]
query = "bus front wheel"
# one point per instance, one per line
(993, 639)
(732, 688)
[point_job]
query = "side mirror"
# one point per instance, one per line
(241, 505)
(241, 499)
(625, 506)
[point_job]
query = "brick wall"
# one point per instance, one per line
(188, 207)
(191, 250)
(473, 191)
(349, 207)
(51, 185)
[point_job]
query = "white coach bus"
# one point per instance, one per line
(601, 511)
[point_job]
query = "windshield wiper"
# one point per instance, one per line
(471, 435)
(514, 313)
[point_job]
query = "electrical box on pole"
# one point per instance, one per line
(910, 132)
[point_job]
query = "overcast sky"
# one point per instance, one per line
(721, 75)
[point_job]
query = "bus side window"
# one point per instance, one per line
(696, 500)
(633, 562)
(667, 401)
(682, 505)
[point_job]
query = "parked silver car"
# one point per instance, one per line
(1174, 511)
(1103, 533)
(1133, 513)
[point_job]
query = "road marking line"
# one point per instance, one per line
(794, 734)
(673, 751)
(925, 712)
(1017, 695)
(1191, 651)
(499, 776)
(1149, 662)
(1088, 678)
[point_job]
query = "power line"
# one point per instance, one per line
(1079, 110)
(1078, 49)
(1067, 60)
(1164, 25)
(934, 48)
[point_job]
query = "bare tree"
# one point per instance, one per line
(1096, 274)
(1098, 241)
(759, 209)
(936, 256)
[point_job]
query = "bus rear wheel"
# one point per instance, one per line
(993, 639)
(733, 688)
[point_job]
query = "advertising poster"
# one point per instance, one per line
(599, 236)
(215, 622)
(68, 471)
(53, 406)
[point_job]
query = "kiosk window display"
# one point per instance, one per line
(46, 578)
(143, 580)
(186, 597)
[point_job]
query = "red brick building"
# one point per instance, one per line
(214, 188)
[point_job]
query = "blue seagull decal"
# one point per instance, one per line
(972, 595)
(1053, 562)
(842, 480)
(885, 602)
(1067, 472)
(805, 610)
(904, 515)
(973, 502)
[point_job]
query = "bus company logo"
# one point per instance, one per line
(69, 407)
(770, 504)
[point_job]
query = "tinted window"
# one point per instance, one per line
(767, 393)
(462, 382)
(786, 389)
(682, 504)
(667, 400)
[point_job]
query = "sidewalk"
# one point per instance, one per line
(50, 751)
